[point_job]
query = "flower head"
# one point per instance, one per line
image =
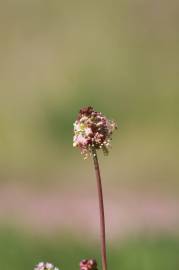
(45, 266)
(92, 130)
(88, 264)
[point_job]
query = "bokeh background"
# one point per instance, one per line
(121, 57)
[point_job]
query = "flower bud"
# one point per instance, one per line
(88, 264)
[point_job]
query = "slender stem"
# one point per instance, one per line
(101, 210)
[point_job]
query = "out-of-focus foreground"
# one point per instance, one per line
(122, 58)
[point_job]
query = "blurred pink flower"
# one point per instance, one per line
(88, 264)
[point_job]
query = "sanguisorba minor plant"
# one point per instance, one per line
(92, 132)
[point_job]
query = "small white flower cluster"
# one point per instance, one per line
(45, 266)
(92, 130)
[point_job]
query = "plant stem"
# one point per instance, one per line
(101, 210)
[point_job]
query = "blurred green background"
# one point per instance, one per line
(122, 58)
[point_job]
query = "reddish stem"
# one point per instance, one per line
(101, 211)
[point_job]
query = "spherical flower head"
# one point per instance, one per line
(45, 266)
(92, 131)
(88, 264)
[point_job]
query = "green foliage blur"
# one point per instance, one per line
(20, 251)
